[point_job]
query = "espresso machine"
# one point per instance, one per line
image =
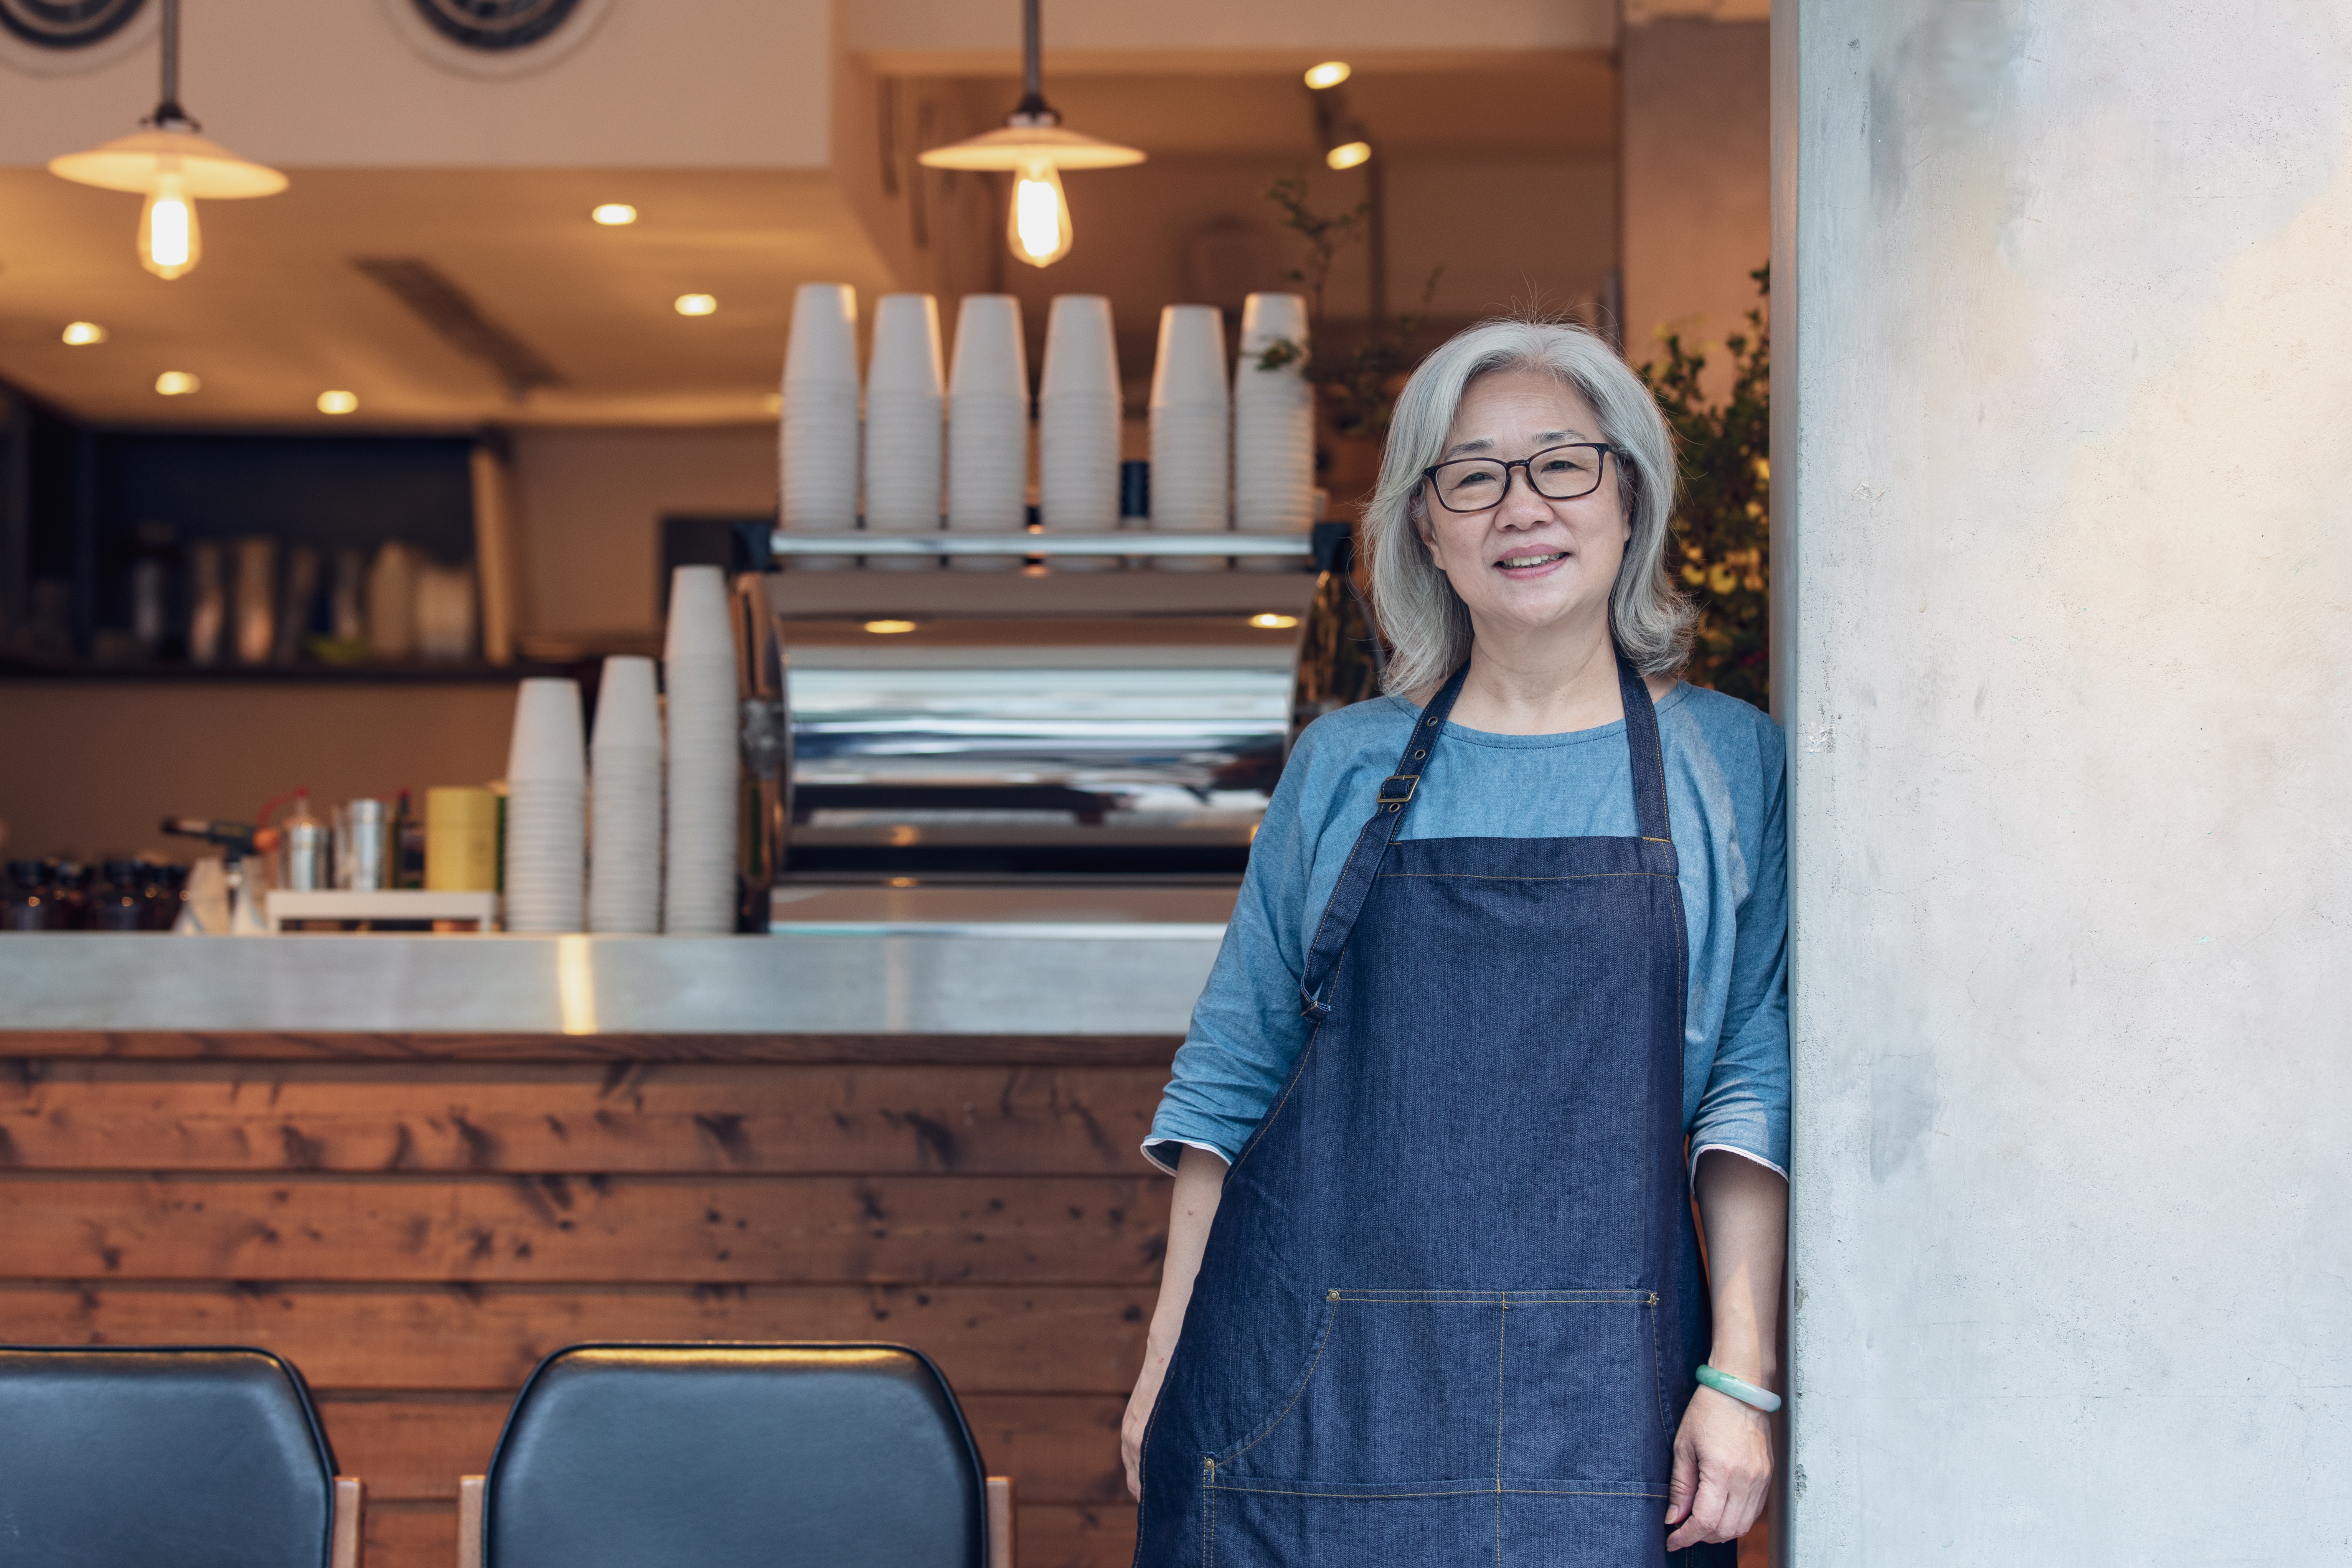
(1030, 726)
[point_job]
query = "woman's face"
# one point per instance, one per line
(1525, 560)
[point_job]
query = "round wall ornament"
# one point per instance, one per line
(67, 37)
(491, 38)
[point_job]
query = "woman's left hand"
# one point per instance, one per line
(1723, 1469)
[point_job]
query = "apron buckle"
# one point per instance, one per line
(1388, 785)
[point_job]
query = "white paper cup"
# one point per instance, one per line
(1190, 367)
(547, 742)
(1269, 319)
(628, 710)
(822, 346)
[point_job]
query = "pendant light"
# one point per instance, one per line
(171, 165)
(1035, 148)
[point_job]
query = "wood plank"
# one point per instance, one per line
(1105, 1230)
(988, 1338)
(413, 1447)
(574, 1118)
(1050, 1535)
(1060, 1536)
(408, 1535)
(1075, 1050)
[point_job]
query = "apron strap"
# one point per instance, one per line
(1647, 754)
(1355, 884)
(1644, 750)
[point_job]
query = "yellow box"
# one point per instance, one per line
(461, 840)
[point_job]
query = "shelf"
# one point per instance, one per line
(1297, 547)
(34, 666)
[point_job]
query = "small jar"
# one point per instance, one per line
(69, 881)
(166, 894)
(118, 899)
(27, 897)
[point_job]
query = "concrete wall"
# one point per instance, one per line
(2070, 411)
(1695, 181)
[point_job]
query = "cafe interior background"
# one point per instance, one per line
(435, 346)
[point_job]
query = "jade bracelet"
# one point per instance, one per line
(1746, 1393)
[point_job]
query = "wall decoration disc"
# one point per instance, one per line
(65, 37)
(66, 24)
(491, 38)
(496, 24)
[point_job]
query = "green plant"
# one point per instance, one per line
(1721, 538)
(1359, 388)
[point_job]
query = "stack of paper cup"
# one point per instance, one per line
(988, 426)
(1077, 426)
(699, 670)
(1191, 429)
(547, 803)
(625, 839)
(903, 436)
(818, 437)
(1273, 428)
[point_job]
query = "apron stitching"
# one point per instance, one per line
(1465, 1491)
(1297, 1073)
(1209, 1514)
(1485, 876)
(1330, 1320)
(1502, 1329)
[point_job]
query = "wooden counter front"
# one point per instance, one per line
(415, 1220)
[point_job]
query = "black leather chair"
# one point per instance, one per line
(195, 1457)
(735, 1456)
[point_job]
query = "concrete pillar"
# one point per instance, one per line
(2065, 393)
(1694, 138)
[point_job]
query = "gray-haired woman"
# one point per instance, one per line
(1506, 984)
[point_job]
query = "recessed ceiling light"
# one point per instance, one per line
(612, 215)
(81, 333)
(176, 384)
(339, 402)
(695, 304)
(1348, 155)
(1270, 622)
(888, 628)
(1331, 73)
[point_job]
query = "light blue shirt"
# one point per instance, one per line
(1725, 802)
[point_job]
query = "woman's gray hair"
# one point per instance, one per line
(1425, 623)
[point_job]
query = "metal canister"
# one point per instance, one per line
(363, 846)
(306, 850)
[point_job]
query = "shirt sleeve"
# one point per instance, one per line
(1246, 1029)
(1745, 1109)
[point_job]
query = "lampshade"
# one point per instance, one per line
(136, 163)
(1029, 147)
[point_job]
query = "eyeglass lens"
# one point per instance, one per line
(1556, 473)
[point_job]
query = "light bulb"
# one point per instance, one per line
(339, 402)
(1331, 73)
(169, 243)
(80, 334)
(614, 215)
(695, 304)
(1038, 227)
(176, 384)
(1348, 155)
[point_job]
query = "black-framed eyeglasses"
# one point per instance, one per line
(1555, 473)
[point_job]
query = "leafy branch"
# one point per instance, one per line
(1722, 521)
(1359, 387)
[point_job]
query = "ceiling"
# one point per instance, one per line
(277, 313)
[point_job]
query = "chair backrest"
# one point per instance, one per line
(195, 1457)
(728, 1455)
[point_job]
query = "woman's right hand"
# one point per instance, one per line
(1192, 1210)
(1138, 1414)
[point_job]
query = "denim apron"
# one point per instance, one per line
(1452, 1303)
